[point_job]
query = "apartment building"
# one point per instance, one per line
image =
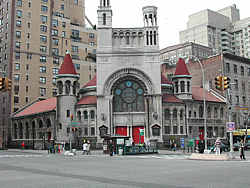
(34, 37)
(222, 30)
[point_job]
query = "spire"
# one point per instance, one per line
(67, 66)
(181, 68)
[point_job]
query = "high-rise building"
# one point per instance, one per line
(221, 30)
(34, 36)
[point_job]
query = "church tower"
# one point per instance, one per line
(104, 26)
(151, 27)
(182, 81)
(67, 85)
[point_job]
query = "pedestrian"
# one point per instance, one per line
(217, 146)
(242, 152)
(88, 147)
(84, 148)
(111, 149)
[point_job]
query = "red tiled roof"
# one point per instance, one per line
(197, 93)
(181, 68)
(164, 80)
(170, 98)
(67, 66)
(91, 82)
(39, 107)
(88, 100)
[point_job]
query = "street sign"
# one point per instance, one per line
(182, 140)
(230, 126)
(142, 132)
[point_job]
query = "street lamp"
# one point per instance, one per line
(204, 99)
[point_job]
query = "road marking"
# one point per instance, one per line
(13, 156)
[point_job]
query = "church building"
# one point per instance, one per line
(128, 95)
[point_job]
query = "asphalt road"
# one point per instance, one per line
(40, 170)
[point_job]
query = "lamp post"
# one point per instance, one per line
(204, 100)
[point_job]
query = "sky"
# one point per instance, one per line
(172, 14)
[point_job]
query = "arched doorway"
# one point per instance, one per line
(128, 101)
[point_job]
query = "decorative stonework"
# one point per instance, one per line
(128, 72)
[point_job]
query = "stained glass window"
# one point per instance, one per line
(128, 97)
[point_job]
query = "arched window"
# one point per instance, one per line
(167, 114)
(104, 19)
(48, 122)
(155, 37)
(176, 87)
(15, 131)
(188, 86)
(209, 112)
(156, 130)
(79, 114)
(128, 96)
(27, 130)
(221, 113)
(21, 131)
(85, 114)
(127, 38)
(181, 115)
(60, 87)
(195, 114)
(201, 111)
(175, 114)
(33, 129)
(40, 123)
(215, 112)
(147, 38)
(182, 86)
(190, 114)
(67, 87)
(74, 87)
(92, 114)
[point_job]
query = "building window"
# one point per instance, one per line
(92, 131)
(42, 80)
(92, 114)
(64, 24)
(17, 67)
(237, 100)
(68, 113)
(42, 69)
(182, 86)
(43, 38)
(18, 23)
(221, 113)
(77, 66)
(62, 6)
(43, 58)
(242, 70)
(91, 35)
(175, 129)
(19, 13)
(29, 56)
(54, 32)
(27, 77)
(55, 51)
(236, 84)
(243, 100)
(86, 131)
(56, 60)
(235, 69)
(26, 99)
(167, 114)
(227, 68)
(17, 55)
(42, 91)
(156, 130)
(54, 22)
(16, 77)
(16, 99)
(55, 41)
(215, 112)
(55, 71)
(75, 49)
(85, 115)
(19, 3)
(76, 2)
(44, 19)
(175, 114)
(44, 8)
(43, 28)
(27, 66)
(18, 34)
(63, 34)
(92, 43)
(16, 89)
(167, 129)
(75, 33)
(104, 19)
(43, 49)
(200, 111)
(248, 72)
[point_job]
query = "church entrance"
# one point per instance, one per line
(137, 138)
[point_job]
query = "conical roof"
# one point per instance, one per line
(67, 66)
(181, 68)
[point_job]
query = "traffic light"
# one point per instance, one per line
(8, 84)
(226, 82)
(2, 84)
(218, 83)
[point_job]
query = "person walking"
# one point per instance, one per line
(217, 146)
(88, 147)
(242, 152)
(84, 148)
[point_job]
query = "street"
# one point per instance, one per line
(27, 169)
